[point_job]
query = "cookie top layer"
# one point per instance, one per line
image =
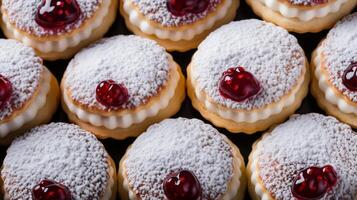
(158, 12)
(267, 51)
(22, 14)
(20, 65)
(308, 2)
(60, 152)
(339, 50)
(141, 65)
(305, 141)
(176, 144)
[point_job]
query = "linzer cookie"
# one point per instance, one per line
(256, 78)
(309, 157)
(177, 24)
(57, 29)
(182, 159)
(334, 71)
(302, 16)
(119, 86)
(29, 93)
(58, 161)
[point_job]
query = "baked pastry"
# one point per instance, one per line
(254, 79)
(119, 86)
(182, 159)
(178, 25)
(302, 16)
(309, 157)
(334, 71)
(57, 29)
(29, 93)
(58, 161)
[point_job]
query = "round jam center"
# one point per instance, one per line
(184, 7)
(182, 185)
(239, 85)
(314, 182)
(50, 190)
(111, 95)
(349, 78)
(56, 14)
(5, 91)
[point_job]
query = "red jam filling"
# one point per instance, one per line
(50, 190)
(5, 91)
(349, 78)
(314, 182)
(111, 95)
(56, 14)
(238, 85)
(184, 7)
(182, 185)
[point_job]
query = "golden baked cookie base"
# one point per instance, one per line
(251, 186)
(69, 52)
(43, 116)
(246, 127)
(181, 45)
(124, 193)
(331, 109)
(135, 129)
(296, 25)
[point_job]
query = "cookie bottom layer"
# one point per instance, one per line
(10, 30)
(136, 129)
(182, 45)
(248, 127)
(43, 116)
(296, 25)
(331, 109)
(126, 193)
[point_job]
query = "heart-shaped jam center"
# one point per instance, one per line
(111, 94)
(349, 78)
(314, 182)
(50, 190)
(5, 91)
(56, 14)
(184, 7)
(182, 185)
(238, 85)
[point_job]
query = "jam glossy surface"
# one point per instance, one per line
(56, 14)
(314, 182)
(239, 85)
(5, 91)
(182, 185)
(111, 95)
(184, 7)
(50, 190)
(349, 77)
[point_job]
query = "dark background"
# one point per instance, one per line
(117, 148)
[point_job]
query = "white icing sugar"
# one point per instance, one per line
(158, 11)
(269, 52)
(340, 50)
(20, 65)
(140, 64)
(60, 152)
(22, 14)
(304, 141)
(176, 144)
(308, 2)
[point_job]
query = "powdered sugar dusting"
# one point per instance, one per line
(308, 2)
(140, 64)
(176, 144)
(157, 11)
(22, 14)
(304, 141)
(340, 50)
(23, 68)
(60, 152)
(269, 52)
